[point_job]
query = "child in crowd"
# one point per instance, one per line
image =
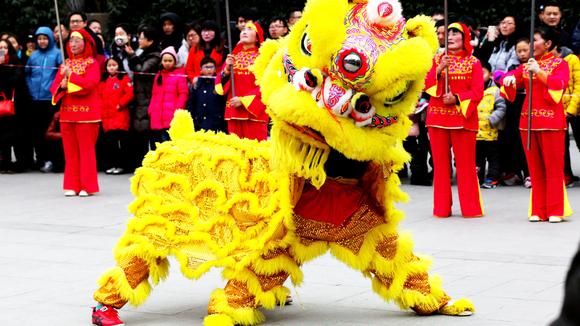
(116, 90)
(491, 112)
(170, 93)
(206, 106)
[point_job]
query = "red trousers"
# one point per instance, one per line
(546, 165)
(78, 141)
(248, 129)
(463, 144)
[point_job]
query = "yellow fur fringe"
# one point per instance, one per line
(116, 275)
(239, 316)
(460, 306)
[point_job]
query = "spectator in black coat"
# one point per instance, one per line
(206, 107)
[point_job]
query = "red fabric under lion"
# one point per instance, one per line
(333, 203)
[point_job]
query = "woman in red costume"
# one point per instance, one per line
(452, 122)
(545, 158)
(245, 113)
(80, 114)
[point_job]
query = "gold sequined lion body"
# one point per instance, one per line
(338, 90)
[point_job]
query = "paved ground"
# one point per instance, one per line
(52, 250)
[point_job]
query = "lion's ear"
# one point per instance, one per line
(423, 26)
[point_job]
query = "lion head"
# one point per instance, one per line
(344, 79)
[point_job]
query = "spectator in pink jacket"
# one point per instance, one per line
(170, 93)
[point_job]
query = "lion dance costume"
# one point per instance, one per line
(338, 90)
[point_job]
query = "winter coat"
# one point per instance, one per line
(182, 54)
(571, 98)
(207, 107)
(9, 79)
(147, 62)
(491, 113)
(166, 98)
(503, 57)
(116, 95)
(42, 67)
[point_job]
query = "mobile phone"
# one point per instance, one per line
(2, 53)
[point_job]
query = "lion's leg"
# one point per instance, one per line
(128, 281)
(259, 285)
(401, 276)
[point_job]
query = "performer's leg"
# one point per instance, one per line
(537, 174)
(124, 283)
(370, 243)
(235, 128)
(259, 285)
(463, 143)
(552, 152)
(441, 153)
(87, 134)
(71, 157)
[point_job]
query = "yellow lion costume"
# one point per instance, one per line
(338, 89)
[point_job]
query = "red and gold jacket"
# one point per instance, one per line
(466, 82)
(245, 88)
(547, 108)
(81, 101)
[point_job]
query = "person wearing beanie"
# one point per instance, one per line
(453, 123)
(170, 93)
(76, 86)
(245, 113)
(210, 45)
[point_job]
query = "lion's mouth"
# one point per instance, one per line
(398, 97)
(309, 132)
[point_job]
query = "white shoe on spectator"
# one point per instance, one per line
(70, 193)
(47, 167)
(534, 218)
(528, 182)
(84, 194)
(110, 171)
(118, 171)
(555, 219)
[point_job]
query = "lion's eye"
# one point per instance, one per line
(306, 45)
(352, 63)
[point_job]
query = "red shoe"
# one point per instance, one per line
(106, 316)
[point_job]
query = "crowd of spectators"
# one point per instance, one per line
(148, 72)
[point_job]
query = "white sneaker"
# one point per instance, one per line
(555, 219)
(528, 183)
(83, 194)
(534, 218)
(70, 193)
(118, 171)
(111, 171)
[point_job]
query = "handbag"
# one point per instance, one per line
(6, 106)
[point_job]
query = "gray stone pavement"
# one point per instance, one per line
(53, 249)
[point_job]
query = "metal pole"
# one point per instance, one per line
(59, 29)
(445, 6)
(532, 27)
(228, 29)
